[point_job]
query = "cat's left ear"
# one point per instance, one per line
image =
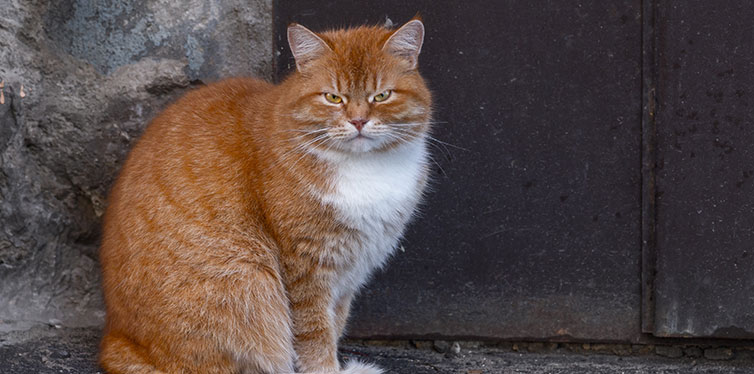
(305, 45)
(406, 42)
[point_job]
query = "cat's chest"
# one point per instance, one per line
(377, 193)
(374, 196)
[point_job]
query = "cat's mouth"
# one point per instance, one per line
(360, 137)
(361, 143)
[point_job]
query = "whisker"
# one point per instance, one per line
(395, 136)
(304, 145)
(409, 125)
(412, 124)
(330, 145)
(304, 135)
(299, 137)
(307, 131)
(444, 143)
(434, 142)
(407, 132)
(438, 165)
(320, 140)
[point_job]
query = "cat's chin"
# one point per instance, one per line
(361, 144)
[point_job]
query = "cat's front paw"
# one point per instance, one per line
(356, 367)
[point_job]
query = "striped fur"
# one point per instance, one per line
(248, 215)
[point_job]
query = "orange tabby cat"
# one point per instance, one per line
(248, 215)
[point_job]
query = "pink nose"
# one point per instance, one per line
(358, 123)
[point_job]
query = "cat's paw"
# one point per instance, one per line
(356, 367)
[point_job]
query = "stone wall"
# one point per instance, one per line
(81, 79)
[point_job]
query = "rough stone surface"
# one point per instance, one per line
(81, 79)
(718, 353)
(441, 346)
(669, 351)
(73, 351)
(693, 352)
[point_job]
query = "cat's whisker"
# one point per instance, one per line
(431, 141)
(330, 143)
(307, 131)
(396, 137)
(441, 145)
(305, 134)
(438, 165)
(313, 141)
(320, 141)
(414, 124)
(292, 151)
(296, 139)
(432, 138)
(436, 142)
(405, 132)
(441, 148)
(303, 145)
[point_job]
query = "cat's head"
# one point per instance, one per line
(359, 90)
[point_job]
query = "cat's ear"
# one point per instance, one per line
(305, 45)
(406, 42)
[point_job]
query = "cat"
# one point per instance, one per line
(248, 215)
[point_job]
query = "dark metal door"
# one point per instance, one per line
(705, 168)
(533, 228)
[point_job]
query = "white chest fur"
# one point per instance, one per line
(375, 194)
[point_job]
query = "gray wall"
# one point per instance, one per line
(93, 73)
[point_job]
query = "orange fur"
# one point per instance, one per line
(224, 246)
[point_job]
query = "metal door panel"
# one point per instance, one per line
(532, 227)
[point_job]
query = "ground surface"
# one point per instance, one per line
(74, 350)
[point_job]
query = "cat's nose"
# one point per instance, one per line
(358, 123)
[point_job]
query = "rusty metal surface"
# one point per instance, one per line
(705, 189)
(534, 230)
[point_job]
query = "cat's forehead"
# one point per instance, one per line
(360, 40)
(358, 60)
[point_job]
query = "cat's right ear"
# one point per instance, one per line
(406, 42)
(305, 45)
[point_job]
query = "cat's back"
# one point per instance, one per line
(200, 126)
(187, 166)
(215, 109)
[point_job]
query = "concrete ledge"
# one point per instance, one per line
(73, 351)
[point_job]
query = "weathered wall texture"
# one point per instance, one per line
(81, 79)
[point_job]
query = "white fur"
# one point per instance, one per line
(356, 367)
(375, 193)
(352, 367)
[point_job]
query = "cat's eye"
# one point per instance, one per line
(382, 96)
(333, 98)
